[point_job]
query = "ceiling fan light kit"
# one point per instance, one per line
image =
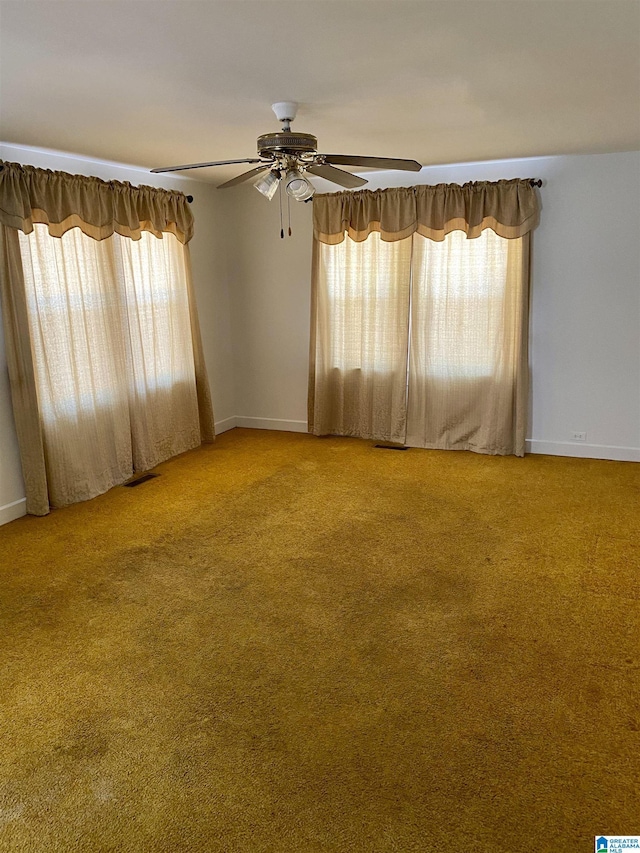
(288, 155)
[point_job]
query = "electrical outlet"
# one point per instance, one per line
(578, 436)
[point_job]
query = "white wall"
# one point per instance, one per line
(209, 261)
(585, 309)
(269, 280)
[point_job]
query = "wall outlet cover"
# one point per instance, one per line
(579, 436)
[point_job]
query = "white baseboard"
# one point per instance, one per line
(550, 448)
(16, 509)
(271, 423)
(583, 451)
(226, 424)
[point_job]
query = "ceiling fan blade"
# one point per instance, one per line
(252, 173)
(336, 176)
(374, 162)
(203, 165)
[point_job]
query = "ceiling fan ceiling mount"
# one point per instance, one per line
(285, 152)
(285, 111)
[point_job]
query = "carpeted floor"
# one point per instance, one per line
(293, 644)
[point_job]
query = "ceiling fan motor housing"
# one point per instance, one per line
(286, 143)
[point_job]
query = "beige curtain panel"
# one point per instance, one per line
(451, 264)
(509, 208)
(103, 346)
(359, 339)
(468, 365)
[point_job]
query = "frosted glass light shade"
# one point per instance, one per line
(268, 184)
(298, 186)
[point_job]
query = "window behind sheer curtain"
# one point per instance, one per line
(113, 355)
(458, 303)
(359, 348)
(457, 381)
(466, 342)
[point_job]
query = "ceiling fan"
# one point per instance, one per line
(287, 156)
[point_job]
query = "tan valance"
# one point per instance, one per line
(99, 208)
(510, 208)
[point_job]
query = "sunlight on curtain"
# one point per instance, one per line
(361, 304)
(80, 366)
(467, 327)
(162, 386)
(113, 357)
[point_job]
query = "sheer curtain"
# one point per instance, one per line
(459, 271)
(103, 344)
(163, 401)
(467, 366)
(77, 328)
(359, 338)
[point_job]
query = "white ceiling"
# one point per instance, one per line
(443, 81)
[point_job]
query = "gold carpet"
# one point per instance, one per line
(286, 643)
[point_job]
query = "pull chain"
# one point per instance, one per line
(289, 213)
(280, 200)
